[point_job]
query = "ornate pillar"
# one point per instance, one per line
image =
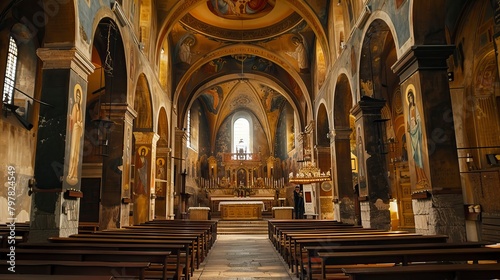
(434, 172)
(145, 170)
(58, 160)
(374, 190)
(343, 174)
(115, 186)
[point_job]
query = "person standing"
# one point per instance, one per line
(298, 199)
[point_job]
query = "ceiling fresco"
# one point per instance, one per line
(252, 55)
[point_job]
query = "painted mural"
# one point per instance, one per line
(76, 130)
(240, 9)
(414, 125)
(212, 98)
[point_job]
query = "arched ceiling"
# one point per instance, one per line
(255, 40)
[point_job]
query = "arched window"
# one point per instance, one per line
(241, 135)
(10, 73)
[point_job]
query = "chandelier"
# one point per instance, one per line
(308, 174)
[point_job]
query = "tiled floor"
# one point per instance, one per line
(243, 257)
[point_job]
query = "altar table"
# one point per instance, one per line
(241, 210)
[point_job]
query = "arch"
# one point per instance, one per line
(143, 105)
(322, 127)
(342, 102)
(162, 128)
(180, 9)
(265, 80)
(238, 49)
(236, 118)
(377, 43)
(116, 92)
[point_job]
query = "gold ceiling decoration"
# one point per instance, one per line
(308, 174)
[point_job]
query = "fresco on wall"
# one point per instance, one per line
(271, 99)
(212, 98)
(141, 165)
(414, 125)
(76, 131)
(240, 9)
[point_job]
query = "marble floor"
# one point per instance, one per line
(243, 257)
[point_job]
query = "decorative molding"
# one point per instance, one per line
(264, 33)
(66, 59)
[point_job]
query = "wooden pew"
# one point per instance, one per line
(311, 252)
(406, 257)
(292, 252)
(187, 223)
(187, 243)
(300, 244)
(158, 257)
(135, 269)
(175, 249)
(427, 272)
(197, 250)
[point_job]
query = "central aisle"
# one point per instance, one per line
(243, 256)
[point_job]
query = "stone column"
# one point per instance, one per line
(343, 174)
(372, 177)
(115, 186)
(435, 178)
(145, 170)
(179, 166)
(58, 159)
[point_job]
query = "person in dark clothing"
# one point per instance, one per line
(298, 198)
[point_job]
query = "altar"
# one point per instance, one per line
(241, 210)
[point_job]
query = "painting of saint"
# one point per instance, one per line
(361, 160)
(185, 54)
(141, 165)
(76, 132)
(300, 54)
(414, 126)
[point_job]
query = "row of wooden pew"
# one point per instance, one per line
(322, 249)
(167, 249)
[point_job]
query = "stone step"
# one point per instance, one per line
(242, 227)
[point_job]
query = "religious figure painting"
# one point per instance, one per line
(361, 160)
(240, 9)
(299, 54)
(212, 98)
(141, 165)
(184, 51)
(414, 127)
(76, 131)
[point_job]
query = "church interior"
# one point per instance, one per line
(386, 113)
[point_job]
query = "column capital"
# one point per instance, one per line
(72, 59)
(343, 133)
(146, 138)
(368, 106)
(424, 57)
(118, 110)
(180, 134)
